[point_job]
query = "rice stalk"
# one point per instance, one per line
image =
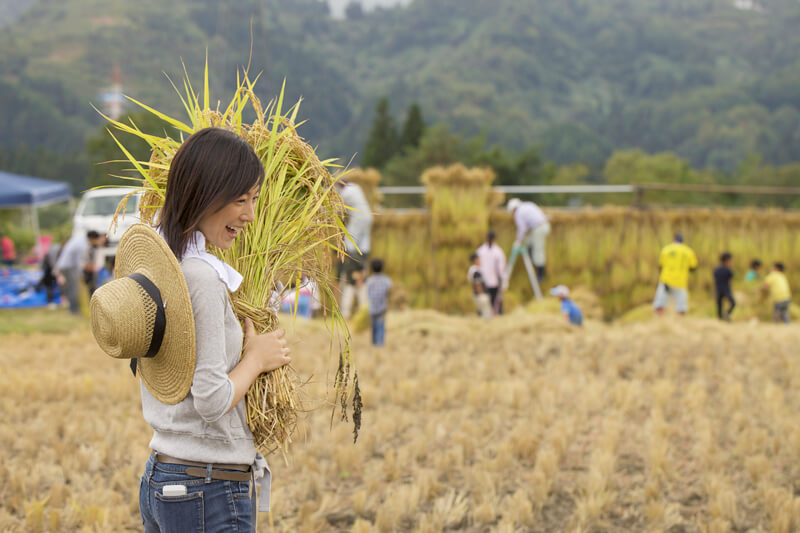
(297, 230)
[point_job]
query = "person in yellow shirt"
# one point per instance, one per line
(779, 292)
(675, 263)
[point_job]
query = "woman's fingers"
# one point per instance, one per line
(249, 329)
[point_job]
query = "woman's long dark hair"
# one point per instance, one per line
(212, 168)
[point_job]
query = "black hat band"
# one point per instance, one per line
(160, 324)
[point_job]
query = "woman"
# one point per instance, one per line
(492, 267)
(202, 447)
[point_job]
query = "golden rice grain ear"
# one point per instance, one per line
(299, 230)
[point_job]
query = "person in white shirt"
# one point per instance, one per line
(213, 185)
(532, 231)
(357, 245)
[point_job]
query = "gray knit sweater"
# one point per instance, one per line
(198, 428)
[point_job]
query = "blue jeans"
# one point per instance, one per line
(378, 329)
(216, 506)
(780, 311)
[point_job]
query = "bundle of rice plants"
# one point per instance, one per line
(298, 229)
(368, 179)
(459, 216)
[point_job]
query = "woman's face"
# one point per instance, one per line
(220, 228)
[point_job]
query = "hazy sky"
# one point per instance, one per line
(337, 6)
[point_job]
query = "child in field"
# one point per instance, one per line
(378, 287)
(752, 275)
(570, 309)
(481, 298)
(780, 293)
(722, 283)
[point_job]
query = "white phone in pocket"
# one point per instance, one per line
(173, 490)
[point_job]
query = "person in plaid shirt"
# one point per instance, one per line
(378, 286)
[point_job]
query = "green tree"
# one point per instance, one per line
(526, 168)
(382, 141)
(635, 166)
(413, 128)
(575, 174)
(438, 146)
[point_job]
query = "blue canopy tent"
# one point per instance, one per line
(21, 191)
(25, 191)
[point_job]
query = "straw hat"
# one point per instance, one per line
(145, 314)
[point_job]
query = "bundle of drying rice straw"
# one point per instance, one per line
(297, 230)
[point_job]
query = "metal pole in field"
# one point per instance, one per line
(35, 224)
(526, 260)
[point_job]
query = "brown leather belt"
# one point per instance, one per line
(218, 471)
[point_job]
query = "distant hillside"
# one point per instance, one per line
(338, 6)
(579, 78)
(10, 10)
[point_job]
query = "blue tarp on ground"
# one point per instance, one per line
(19, 191)
(18, 289)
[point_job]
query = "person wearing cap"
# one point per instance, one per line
(357, 245)
(569, 309)
(675, 263)
(532, 231)
(169, 312)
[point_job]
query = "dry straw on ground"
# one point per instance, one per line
(519, 424)
(297, 230)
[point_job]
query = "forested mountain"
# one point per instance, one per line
(579, 78)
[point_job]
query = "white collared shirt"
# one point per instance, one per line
(197, 248)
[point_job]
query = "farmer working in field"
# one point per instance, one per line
(779, 292)
(675, 263)
(357, 245)
(572, 313)
(532, 231)
(72, 262)
(722, 285)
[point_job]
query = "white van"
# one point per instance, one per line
(96, 210)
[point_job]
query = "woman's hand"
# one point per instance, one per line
(268, 350)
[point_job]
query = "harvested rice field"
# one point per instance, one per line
(519, 424)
